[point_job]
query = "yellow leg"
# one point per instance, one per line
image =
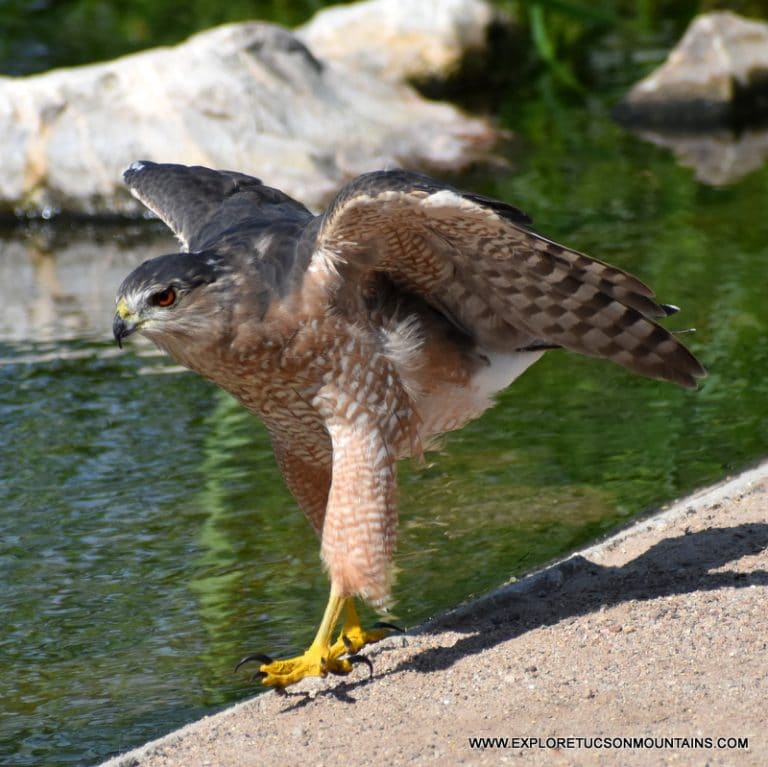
(353, 636)
(322, 658)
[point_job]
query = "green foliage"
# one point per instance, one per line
(564, 33)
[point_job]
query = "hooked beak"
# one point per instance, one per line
(124, 323)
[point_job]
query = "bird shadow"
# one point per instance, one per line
(684, 564)
(576, 586)
(341, 692)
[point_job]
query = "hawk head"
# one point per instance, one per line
(171, 297)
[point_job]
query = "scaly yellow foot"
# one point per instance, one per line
(322, 657)
(353, 637)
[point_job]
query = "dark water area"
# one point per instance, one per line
(147, 540)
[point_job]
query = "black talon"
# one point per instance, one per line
(258, 657)
(362, 659)
(383, 625)
(355, 657)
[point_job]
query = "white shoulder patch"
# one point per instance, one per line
(445, 198)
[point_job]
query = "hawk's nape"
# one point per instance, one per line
(361, 334)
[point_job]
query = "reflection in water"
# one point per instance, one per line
(250, 541)
(717, 158)
(58, 283)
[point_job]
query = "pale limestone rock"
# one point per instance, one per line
(718, 72)
(246, 96)
(401, 39)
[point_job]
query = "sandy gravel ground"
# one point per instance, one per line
(659, 634)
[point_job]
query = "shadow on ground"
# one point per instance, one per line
(683, 564)
(680, 565)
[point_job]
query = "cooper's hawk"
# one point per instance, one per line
(360, 334)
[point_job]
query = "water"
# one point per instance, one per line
(148, 541)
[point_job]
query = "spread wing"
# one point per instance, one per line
(202, 206)
(475, 260)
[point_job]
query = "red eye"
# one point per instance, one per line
(164, 298)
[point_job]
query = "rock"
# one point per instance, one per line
(247, 96)
(399, 39)
(717, 75)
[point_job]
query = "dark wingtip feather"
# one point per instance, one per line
(687, 362)
(135, 168)
(682, 366)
